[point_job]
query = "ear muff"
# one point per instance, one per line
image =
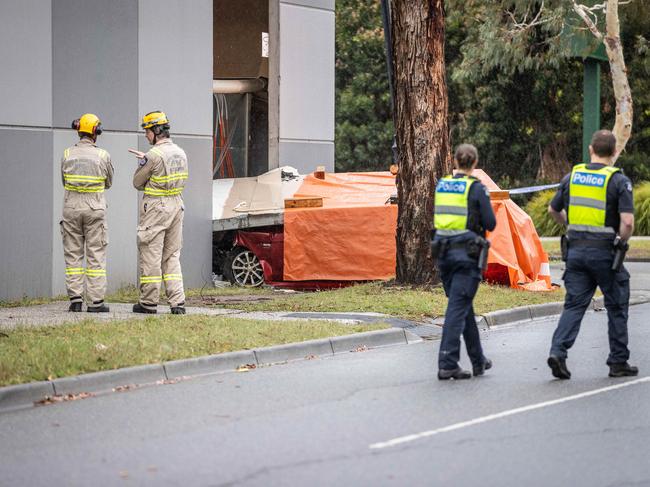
(75, 124)
(97, 130)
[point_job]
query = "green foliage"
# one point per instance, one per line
(364, 127)
(537, 208)
(642, 209)
(514, 92)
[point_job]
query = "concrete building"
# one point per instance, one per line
(120, 59)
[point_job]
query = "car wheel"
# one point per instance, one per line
(243, 268)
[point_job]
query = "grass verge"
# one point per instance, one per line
(639, 249)
(34, 354)
(408, 303)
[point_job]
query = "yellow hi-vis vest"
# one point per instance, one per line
(588, 199)
(451, 205)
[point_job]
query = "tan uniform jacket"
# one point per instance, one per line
(86, 171)
(165, 171)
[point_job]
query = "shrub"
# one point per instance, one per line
(537, 208)
(642, 209)
(546, 226)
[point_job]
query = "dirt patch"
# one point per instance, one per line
(226, 300)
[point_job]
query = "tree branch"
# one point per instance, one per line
(584, 13)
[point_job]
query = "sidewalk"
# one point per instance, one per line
(57, 313)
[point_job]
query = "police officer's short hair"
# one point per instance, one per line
(466, 155)
(603, 143)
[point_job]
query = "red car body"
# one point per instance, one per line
(268, 246)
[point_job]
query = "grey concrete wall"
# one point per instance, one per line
(26, 54)
(122, 212)
(95, 62)
(176, 74)
(321, 4)
(306, 156)
(25, 218)
(307, 84)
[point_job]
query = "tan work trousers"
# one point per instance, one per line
(160, 239)
(85, 232)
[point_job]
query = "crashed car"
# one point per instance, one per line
(332, 229)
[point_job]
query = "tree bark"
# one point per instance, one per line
(420, 115)
(622, 93)
(554, 160)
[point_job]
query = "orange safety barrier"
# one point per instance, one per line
(352, 237)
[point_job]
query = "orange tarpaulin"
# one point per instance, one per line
(352, 237)
(516, 254)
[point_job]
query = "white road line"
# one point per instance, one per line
(510, 412)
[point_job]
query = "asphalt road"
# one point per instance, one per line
(331, 422)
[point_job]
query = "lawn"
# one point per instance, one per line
(34, 354)
(403, 302)
(38, 353)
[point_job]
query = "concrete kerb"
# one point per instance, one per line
(26, 395)
(524, 314)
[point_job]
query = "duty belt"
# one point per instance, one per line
(594, 244)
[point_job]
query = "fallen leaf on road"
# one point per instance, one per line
(311, 357)
(362, 348)
(63, 398)
(124, 474)
(246, 367)
(127, 387)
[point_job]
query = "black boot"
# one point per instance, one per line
(480, 370)
(138, 308)
(623, 370)
(558, 367)
(75, 307)
(457, 374)
(178, 310)
(98, 308)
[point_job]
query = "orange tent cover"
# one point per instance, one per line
(352, 237)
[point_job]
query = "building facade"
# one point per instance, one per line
(121, 59)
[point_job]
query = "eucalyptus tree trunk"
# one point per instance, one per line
(420, 115)
(622, 92)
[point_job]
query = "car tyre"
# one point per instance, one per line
(242, 268)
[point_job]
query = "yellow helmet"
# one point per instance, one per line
(153, 119)
(89, 123)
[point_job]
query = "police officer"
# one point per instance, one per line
(595, 200)
(86, 171)
(463, 213)
(162, 175)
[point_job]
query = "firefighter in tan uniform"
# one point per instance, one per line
(86, 171)
(161, 176)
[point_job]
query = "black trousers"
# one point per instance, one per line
(460, 278)
(587, 268)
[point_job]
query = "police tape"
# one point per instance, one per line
(533, 189)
